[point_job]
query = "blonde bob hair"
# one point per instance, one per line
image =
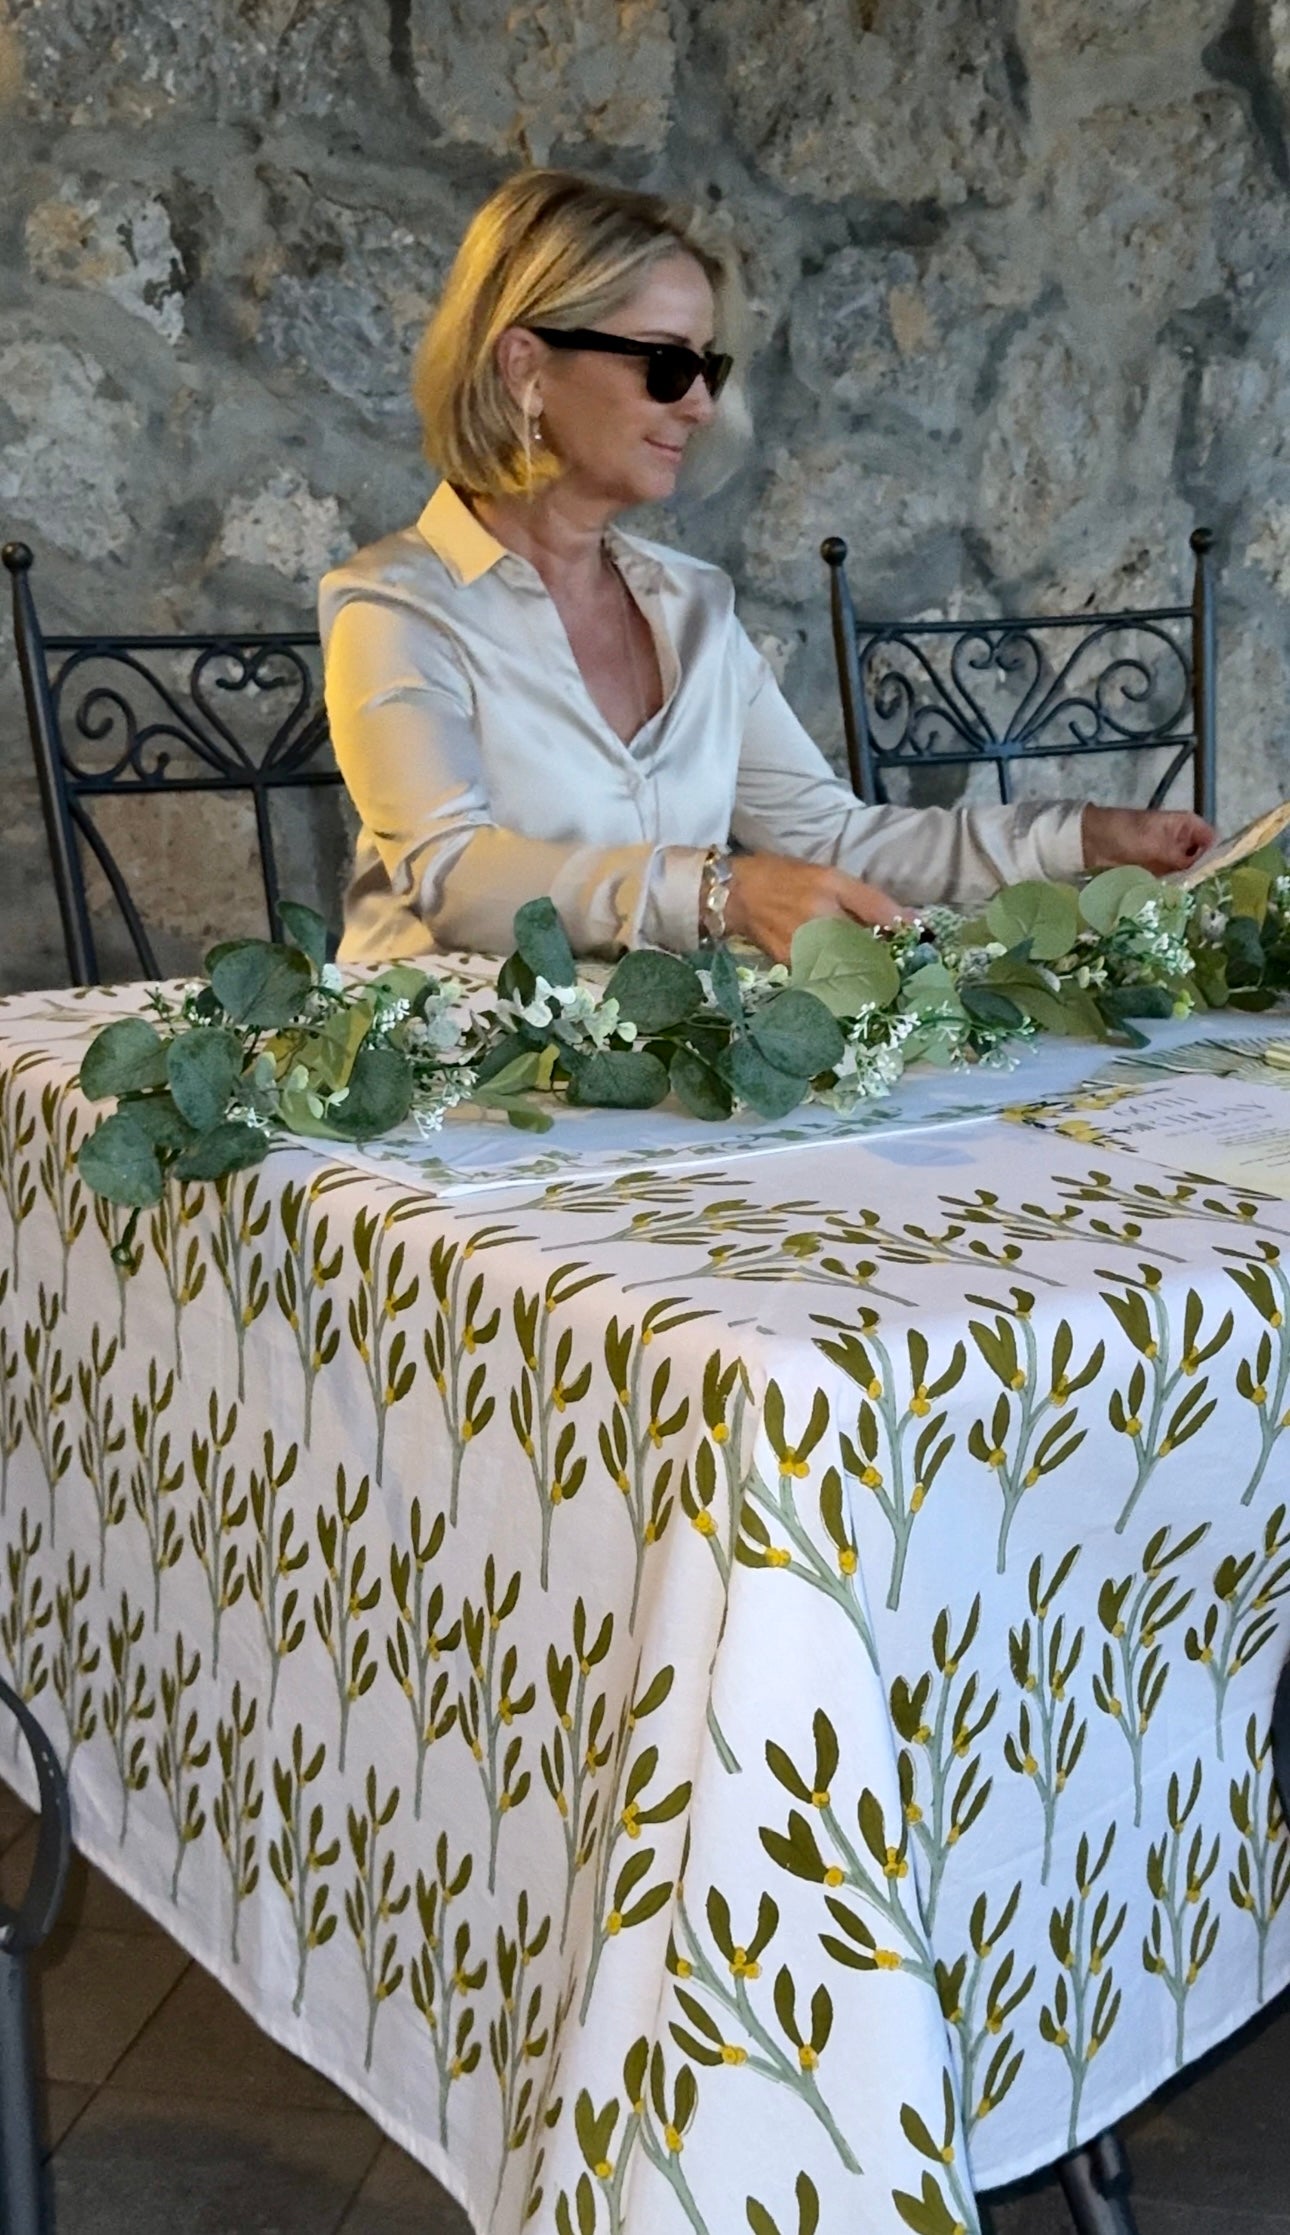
(552, 249)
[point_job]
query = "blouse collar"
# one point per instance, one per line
(469, 551)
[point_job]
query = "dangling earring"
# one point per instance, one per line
(532, 429)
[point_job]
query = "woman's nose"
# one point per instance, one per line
(696, 404)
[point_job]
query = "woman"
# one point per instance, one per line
(524, 700)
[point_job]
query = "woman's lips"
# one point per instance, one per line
(673, 450)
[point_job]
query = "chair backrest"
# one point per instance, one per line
(128, 716)
(942, 694)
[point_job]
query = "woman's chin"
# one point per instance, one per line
(661, 486)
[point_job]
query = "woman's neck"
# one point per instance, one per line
(559, 533)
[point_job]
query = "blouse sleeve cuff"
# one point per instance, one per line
(670, 916)
(1058, 839)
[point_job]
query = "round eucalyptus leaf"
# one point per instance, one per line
(156, 1115)
(1115, 894)
(515, 980)
(616, 1079)
(798, 1034)
(984, 1006)
(845, 965)
(1043, 918)
(723, 973)
(504, 1052)
(229, 1146)
(1117, 1002)
(698, 1087)
(655, 991)
(1070, 1013)
(120, 1162)
(931, 988)
(1244, 951)
(540, 940)
(123, 1058)
(378, 1097)
(305, 929)
(516, 1076)
(767, 1090)
(261, 985)
(203, 1068)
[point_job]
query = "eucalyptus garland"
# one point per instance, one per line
(276, 1043)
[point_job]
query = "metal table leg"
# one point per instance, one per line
(1096, 2182)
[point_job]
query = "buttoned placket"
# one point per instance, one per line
(643, 578)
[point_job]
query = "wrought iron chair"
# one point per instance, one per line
(22, 2201)
(161, 709)
(946, 694)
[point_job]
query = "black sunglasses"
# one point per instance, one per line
(670, 368)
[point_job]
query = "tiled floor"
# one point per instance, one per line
(169, 2114)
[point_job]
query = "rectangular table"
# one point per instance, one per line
(683, 1689)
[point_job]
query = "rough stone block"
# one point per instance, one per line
(906, 332)
(879, 99)
(554, 73)
(283, 525)
(115, 241)
(1158, 209)
(884, 510)
(110, 61)
(66, 464)
(346, 284)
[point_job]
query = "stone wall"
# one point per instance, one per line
(1019, 268)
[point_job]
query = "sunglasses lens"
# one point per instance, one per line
(672, 372)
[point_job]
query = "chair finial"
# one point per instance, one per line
(17, 557)
(1201, 540)
(833, 551)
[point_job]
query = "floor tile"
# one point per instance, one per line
(15, 1816)
(201, 2043)
(1205, 2219)
(1037, 2209)
(95, 1996)
(400, 2198)
(146, 2165)
(61, 2102)
(1214, 2139)
(1040, 2209)
(89, 1897)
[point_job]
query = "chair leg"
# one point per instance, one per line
(21, 2199)
(1096, 2181)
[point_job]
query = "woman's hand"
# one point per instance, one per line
(1156, 838)
(772, 894)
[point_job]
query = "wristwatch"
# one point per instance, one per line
(714, 892)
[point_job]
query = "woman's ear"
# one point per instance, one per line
(519, 360)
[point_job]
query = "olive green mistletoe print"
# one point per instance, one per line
(707, 1698)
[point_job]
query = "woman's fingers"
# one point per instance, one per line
(1157, 838)
(772, 896)
(869, 904)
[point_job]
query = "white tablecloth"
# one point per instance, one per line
(679, 1687)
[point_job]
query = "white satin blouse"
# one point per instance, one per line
(484, 774)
